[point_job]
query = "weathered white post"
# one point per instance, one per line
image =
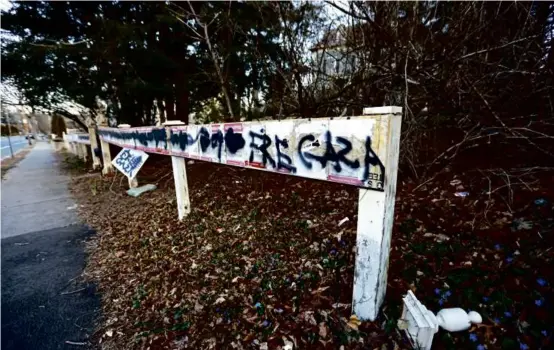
(83, 149)
(74, 148)
(65, 141)
(93, 143)
(133, 182)
(106, 155)
(375, 221)
(180, 176)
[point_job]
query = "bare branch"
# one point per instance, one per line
(496, 47)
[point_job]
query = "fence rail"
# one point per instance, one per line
(361, 151)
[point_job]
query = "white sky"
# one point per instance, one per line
(5, 5)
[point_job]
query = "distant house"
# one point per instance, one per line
(336, 54)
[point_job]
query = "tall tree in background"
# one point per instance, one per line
(145, 59)
(58, 126)
(461, 70)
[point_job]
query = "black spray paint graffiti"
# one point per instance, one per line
(260, 145)
(128, 162)
(330, 155)
(261, 142)
(139, 138)
(233, 141)
(283, 160)
(266, 142)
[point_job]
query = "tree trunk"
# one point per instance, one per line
(147, 110)
(182, 98)
(303, 110)
(161, 109)
(170, 106)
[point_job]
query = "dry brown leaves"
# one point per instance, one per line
(260, 260)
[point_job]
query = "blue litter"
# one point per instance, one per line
(135, 192)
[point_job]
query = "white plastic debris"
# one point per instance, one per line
(288, 344)
(346, 219)
(457, 319)
(475, 317)
(421, 324)
(135, 192)
(461, 194)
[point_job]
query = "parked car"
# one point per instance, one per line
(30, 136)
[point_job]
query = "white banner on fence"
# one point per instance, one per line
(129, 161)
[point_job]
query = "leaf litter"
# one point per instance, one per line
(263, 263)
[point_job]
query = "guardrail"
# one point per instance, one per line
(361, 151)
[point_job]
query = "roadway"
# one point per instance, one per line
(18, 143)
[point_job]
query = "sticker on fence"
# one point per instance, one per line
(129, 161)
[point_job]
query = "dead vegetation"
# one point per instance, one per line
(262, 261)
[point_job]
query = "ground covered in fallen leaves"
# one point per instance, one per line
(262, 262)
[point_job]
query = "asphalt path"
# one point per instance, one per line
(45, 302)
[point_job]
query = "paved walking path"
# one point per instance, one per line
(35, 196)
(42, 258)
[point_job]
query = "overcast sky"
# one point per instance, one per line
(5, 5)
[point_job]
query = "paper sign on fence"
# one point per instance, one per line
(129, 161)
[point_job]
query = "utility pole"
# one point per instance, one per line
(10, 134)
(7, 116)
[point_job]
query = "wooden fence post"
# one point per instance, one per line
(375, 221)
(179, 175)
(84, 152)
(106, 155)
(93, 144)
(65, 141)
(133, 182)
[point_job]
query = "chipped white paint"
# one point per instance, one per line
(180, 177)
(374, 230)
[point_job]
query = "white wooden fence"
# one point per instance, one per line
(360, 151)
